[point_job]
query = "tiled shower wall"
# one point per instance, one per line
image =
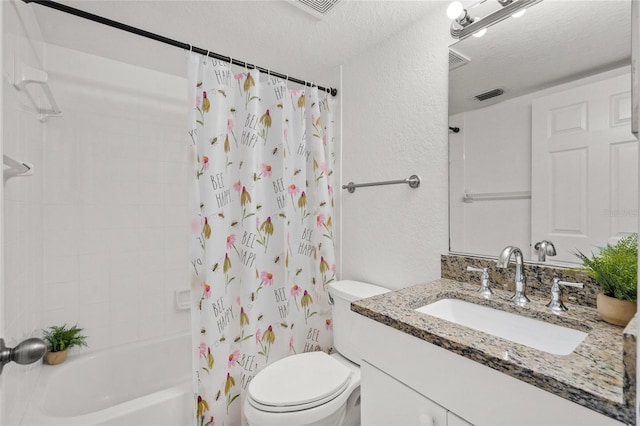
(23, 140)
(97, 235)
(22, 274)
(115, 194)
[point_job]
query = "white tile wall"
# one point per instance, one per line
(22, 210)
(115, 207)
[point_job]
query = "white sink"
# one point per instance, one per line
(536, 334)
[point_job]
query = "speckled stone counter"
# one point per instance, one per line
(597, 375)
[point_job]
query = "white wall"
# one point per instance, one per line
(395, 125)
(115, 215)
(23, 140)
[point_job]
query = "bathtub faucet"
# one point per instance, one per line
(520, 298)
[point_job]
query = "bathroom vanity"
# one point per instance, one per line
(420, 369)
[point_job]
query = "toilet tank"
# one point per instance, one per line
(346, 323)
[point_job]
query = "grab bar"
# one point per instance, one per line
(470, 198)
(30, 76)
(413, 181)
(16, 168)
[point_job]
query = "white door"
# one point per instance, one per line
(584, 167)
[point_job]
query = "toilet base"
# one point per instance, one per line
(353, 412)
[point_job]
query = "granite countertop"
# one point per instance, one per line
(599, 374)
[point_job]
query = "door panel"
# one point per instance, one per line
(585, 164)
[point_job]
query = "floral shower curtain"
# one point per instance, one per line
(261, 246)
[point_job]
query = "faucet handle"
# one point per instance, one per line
(484, 290)
(568, 284)
(555, 304)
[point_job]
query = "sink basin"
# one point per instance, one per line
(536, 334)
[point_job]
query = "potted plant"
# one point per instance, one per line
(61, 338)
(615, 269)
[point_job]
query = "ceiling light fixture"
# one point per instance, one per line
(464, 25)
(459, 14)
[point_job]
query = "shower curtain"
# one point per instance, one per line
(261, 245)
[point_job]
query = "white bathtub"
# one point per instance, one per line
(146, 383)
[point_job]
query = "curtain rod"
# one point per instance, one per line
(172, 42)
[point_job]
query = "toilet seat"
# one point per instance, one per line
(299, 382)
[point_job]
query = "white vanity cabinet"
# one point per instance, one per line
(390, 402)
(408, 381)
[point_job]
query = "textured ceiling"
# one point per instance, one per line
(554, 42)
(272, 34)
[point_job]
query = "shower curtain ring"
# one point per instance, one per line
(190, 48)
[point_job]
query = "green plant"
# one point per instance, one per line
(60, 338)
(615, 268)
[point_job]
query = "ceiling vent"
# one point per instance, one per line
(317, 8)
(457, 59)
(490, 94)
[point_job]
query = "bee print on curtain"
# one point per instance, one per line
(261, 242)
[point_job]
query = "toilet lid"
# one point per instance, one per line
(299, 382)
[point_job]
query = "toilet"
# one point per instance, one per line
(314, 388)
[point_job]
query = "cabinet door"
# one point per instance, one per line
(386, 401)
(453, 420)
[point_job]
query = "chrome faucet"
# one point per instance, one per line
(519, 297)
(545, 248)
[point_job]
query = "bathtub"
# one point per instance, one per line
(145, 383)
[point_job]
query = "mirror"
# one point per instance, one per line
(553, 157)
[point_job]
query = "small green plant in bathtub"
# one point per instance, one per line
(61, 338)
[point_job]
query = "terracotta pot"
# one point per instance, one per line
(54, 358)
(615, 311)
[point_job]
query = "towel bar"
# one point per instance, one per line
(413, 181)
